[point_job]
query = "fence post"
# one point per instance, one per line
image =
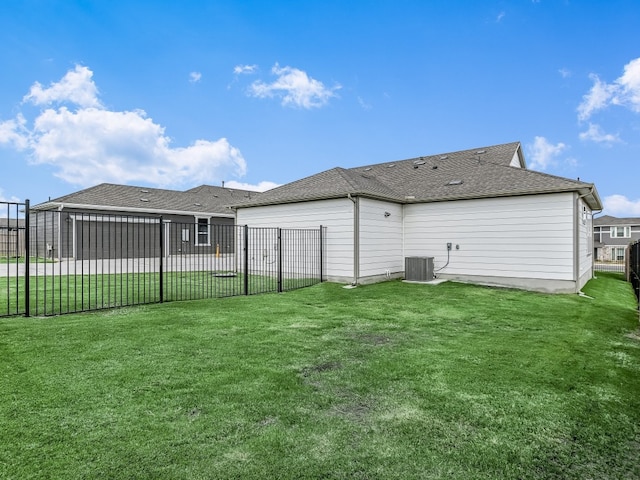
(161, 259)
(27, 249)
(279, 260)
(246, 259)
(321, 256)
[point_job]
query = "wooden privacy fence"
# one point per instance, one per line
(83, 262)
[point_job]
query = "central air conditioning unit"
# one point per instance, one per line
(418, 269)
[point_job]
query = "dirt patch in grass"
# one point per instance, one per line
(321, 367)
(355, 411)
(372, 339)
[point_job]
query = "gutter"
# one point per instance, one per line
(356, 238)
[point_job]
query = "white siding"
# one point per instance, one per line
(380, 238)
(336, 215)
(515, 161)
(528, 237)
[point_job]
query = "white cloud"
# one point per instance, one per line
(624, 91)
(14, 133)
(364, 105)
(543, 154)
(245, 69)
(500, 16)
(595, 134)
(75, 87)
(295, 88)
(629, 92)
(621, 206)
(92, 144)
(260, 187)
(194, 77)
(564, 73)
(8, 199)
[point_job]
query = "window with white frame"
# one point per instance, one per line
(617, 254)
(620, 232)
(202, 231)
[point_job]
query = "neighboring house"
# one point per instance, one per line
(611, 235)
(72, 226)
(479, 213)
(12, 237)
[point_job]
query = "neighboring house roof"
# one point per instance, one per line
(477, 173)
(607, 221)
(205, 200)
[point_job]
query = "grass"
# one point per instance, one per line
(390, 380)
(57, 294)
(21, 259)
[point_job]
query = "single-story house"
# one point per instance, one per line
(95, 222)
(480, 214)
(612, 235)
(12, 237)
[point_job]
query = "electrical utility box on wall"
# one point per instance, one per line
(418, 269)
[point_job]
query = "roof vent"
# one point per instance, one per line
(144, 191)
(391, 165)
(481, 151)
(367, 169)
(198, 204)
(419, 162)
(435, 167)
(444, 157)
(144, 199)
(455, 182)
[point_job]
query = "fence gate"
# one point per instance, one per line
(14, 238)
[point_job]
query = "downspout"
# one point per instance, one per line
(356, 238)
(576, 238)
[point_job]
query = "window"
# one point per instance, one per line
(617, 254)
(202, 232)
(620, 232)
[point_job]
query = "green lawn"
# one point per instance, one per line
(391, 380)
(58, 294)
(17, 260)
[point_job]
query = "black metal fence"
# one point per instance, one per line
(633, 273)
(82, 262)
(616, 266)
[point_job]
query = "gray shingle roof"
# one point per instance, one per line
(607, 220)
(205, 199)
(476, 173)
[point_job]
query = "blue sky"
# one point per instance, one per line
(261, 93)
